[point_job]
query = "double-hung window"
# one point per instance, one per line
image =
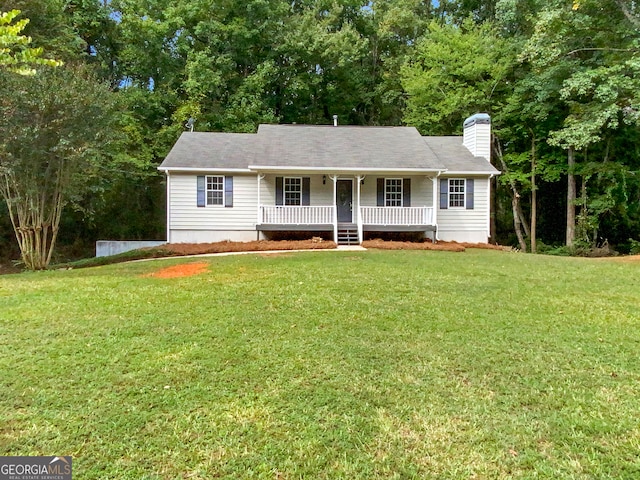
(393, 192)
(457, 193)
(215, 190)
(292, 191)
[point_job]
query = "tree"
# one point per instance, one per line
(591, 48)
(56, 129)
(455, 72)
(15, 53)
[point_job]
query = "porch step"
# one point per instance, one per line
(347, 234)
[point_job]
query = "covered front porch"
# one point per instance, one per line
(347, 205)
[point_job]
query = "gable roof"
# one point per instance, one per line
(345, 147)
(311, 147)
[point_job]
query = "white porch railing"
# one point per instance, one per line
(296, 215)
(397, 215)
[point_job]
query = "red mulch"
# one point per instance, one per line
(441, 246)
(184, 270)
(623, 258)
(257, 246)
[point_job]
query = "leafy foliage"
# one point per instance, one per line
(15, 53)
(456, 71)
(57, 131)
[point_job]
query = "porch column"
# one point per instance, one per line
(335, 207)
(359, 211)
(259, 213)
(435, 203)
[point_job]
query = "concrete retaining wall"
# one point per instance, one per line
(104, 248)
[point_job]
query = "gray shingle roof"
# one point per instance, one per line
(345, 147)
(208, 150)
(451, 152)
(323, 147)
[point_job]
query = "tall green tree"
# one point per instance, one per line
(454, 72)
(592, 50)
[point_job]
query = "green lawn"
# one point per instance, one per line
(354, 365)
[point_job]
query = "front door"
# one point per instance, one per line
(344, 201)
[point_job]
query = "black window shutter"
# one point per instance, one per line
(469, 193)
(201, 201)
(228, 191)
(444, 193)
(279, 189)
(406, 192)
(381, 192)
(306, 191)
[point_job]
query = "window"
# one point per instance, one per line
(292, 191)
(456, 193)
(393, 192)
(215, 190)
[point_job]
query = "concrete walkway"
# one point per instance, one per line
(340, 248)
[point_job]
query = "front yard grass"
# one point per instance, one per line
(402, 364)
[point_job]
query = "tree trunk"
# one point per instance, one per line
(523, 221)
(584, 232)
(35, 221)
(534, 206)
(515, 198)
(571, 198)
(517, 224)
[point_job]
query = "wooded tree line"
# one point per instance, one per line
(560, 79)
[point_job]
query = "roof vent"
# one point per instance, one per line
(335, 120)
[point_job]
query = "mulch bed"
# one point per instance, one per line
(314, 244)
(623, 258)
(257, 246)
(441, 246)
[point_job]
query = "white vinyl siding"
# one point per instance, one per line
(185, 214)
(188, 223)
(462, 224)
(477, 139)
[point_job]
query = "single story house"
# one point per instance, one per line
(342, 180)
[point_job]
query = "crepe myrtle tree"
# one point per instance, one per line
(55, 130)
